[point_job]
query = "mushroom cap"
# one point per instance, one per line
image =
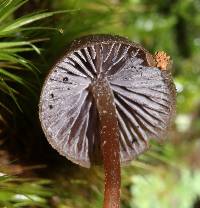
(144, 97)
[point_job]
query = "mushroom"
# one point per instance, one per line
(103, 101)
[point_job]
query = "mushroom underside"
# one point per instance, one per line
(144, 98)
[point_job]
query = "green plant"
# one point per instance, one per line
(175, 189)
(19, 192)
(17, 43)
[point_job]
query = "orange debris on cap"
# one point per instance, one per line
(162, 60)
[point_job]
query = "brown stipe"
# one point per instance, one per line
(103, 101)
(109, 134)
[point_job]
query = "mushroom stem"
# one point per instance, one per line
(109, 132)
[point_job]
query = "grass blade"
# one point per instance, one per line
(8, 7)
(20, 22)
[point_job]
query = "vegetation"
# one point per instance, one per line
(32, 35)
(16, 192)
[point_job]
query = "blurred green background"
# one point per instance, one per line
(33, 34)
